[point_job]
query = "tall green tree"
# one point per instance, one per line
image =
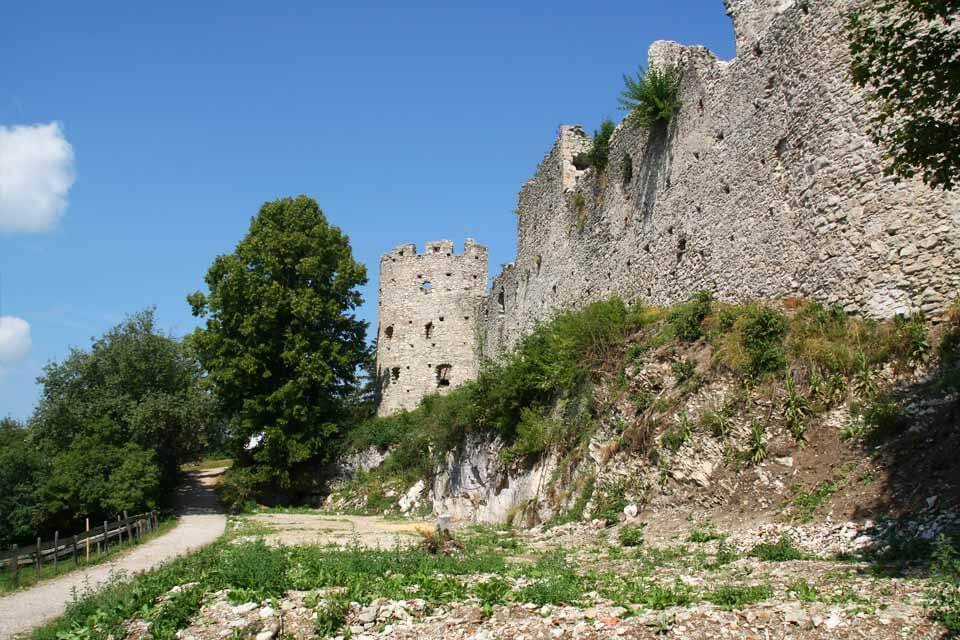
(117, 422)
(22, 468)
(281, 343)
(906, 53)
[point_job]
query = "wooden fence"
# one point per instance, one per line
(94, 541)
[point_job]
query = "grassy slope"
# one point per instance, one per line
(663, 385)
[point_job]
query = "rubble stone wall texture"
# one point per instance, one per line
(427, 318)
(765, 185)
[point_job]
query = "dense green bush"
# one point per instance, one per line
(653, 97)
(238, 488)
(631, 535)
(762, 331)
(687, 319)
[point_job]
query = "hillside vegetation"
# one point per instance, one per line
(638, 403)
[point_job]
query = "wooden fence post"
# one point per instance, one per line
(106, 536)
(126, 525)
(76, 558)
(15, 566)
(39, 561)
(56, 549)
(88, 539)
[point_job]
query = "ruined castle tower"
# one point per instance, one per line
(426, 337)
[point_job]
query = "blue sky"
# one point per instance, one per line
(406, 123)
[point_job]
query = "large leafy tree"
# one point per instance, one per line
(281, 343)
(907, 54)
(117, 422)
(22, 468)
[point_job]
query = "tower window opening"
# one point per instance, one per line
(388, 332)
(426, 287)
(443, 375)
(395, 373)
(428, 330)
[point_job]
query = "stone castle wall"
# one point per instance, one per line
(765, 185)
(427, 319)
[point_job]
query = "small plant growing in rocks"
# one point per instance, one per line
(757, 448)
(782, 550)
(804, 591)
(683, 370)
(631, 535)
(795, 411)
(332, 615)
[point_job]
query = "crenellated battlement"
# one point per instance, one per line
(435, 249)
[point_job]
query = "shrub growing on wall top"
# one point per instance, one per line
(599, 153)
(652, 97)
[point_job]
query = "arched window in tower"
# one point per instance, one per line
(443, 375)
(500, 302)
(388, 332)
(395, 373)
(428, 330)
(426, 287)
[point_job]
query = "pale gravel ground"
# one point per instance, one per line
(371, 532)
(201, 522)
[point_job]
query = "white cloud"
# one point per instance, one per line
(36, 173)
(15, 341)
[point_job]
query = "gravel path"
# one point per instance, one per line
(201, 522)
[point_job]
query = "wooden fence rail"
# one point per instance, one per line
(96, 540)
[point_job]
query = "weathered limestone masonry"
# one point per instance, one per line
(765, 185)
(426, 338)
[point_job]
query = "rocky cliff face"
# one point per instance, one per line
(473, 485)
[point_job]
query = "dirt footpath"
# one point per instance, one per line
(372, 532)
(201, 522)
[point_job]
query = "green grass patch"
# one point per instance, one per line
(702, 535)
(805, 502)
(730, 597)
(782, 550)
(804, 591)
